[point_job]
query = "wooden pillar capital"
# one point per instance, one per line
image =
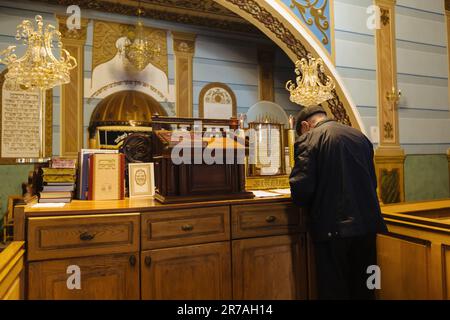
(183, 43)
(75, 36)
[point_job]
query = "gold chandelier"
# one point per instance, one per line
(38, 68)
(310, 90)
(139, 50)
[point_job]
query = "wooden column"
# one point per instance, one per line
(447, 19)
(72, 95)
(184, 48)
(448, 158)
(389, 156)
(266, 57)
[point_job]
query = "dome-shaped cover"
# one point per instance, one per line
(125, 108)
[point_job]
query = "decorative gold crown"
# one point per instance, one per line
(310, 90)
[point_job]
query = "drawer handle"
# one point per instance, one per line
(271, 219)
(132, 261)
(148, 261)
(187, 227)
(86, 236)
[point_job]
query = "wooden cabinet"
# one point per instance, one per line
(187, 273)
(102, 277)
(217, 251)
(270, 268)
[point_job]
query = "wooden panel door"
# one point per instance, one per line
(270, 268)
(187, 273)
(109, 277)
(405, 266)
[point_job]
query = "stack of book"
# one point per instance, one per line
(59, 181)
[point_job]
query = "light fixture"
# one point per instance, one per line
(310, 90)
(38, 68)
(139, 50)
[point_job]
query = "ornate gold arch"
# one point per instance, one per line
(292, 42)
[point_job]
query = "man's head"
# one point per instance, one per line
(308, 118)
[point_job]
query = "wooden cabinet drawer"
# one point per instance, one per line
(74, 236)
(183, 227)
(265, 219)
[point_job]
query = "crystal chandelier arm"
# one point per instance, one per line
(51, 35)
(24, 30)
(7, 56)
(67, 59)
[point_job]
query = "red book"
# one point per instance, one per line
(106, 176)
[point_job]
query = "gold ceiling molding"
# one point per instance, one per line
(107, 33)
(206, 13)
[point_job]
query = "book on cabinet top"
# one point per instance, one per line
(63, 163)
(58, 178)
(59, 171)
(55, 194)
(61, 187)
(106, 176)
(55, 200)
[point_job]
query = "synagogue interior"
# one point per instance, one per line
(147, 146)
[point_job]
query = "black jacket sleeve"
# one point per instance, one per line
(303, 176)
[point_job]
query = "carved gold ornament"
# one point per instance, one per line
(318, 13)
(38, 68)
(385, 17)
(107, 33)
(310, 90)
(140, 50)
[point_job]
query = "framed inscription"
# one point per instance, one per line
(19, 122)
(141, 179)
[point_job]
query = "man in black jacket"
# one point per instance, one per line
(334, 178)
